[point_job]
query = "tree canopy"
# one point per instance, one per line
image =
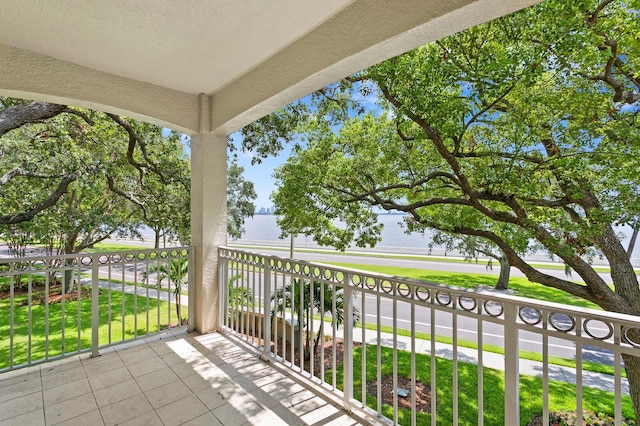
(72, 177)
(520, 131)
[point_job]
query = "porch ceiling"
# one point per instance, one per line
(152, 58)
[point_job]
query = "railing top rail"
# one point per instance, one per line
(522, 302)
(171, 252)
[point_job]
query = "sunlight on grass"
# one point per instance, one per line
(121, 313)
(561, 395)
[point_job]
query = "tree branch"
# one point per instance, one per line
(19, 115)
(50, 201)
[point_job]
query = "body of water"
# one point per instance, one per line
(263, 230)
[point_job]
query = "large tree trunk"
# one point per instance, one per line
(505, 272)
(632, 366)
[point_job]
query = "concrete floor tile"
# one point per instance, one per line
(145, 367)
(207, 419)
(61, 377)
(18, 376)
(33, 418)
(116, 393)
(18, 406)
(92, 418)
(167, 394)
(70, 408)
(137, 354)
(211, 398)
(146, 419)
(109, 378)
(127, 409)
(156, 379)
(181, 411)
(21, 388)
(102, 364)
(66, 391)
(229, 415)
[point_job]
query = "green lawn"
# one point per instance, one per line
(561, 395)
(132, 324)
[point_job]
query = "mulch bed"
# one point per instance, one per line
(55, 294)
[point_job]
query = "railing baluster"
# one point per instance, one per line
(109, 310)
(46, 311)
(378, 353)
(413, 364)
(267, 311)
(12, 279)
(454, 331)
(191, 291)
(432, 357)
(95, 305)
(363, 347)
(545, 371)
(617, 375)
(29, 315)
(511, 366)
(311, 328)
(62, 306)
(347, 372)
(395, 359)
(480, 367)
(579, 411)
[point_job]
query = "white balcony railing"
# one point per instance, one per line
(57, 306)
(453, 350)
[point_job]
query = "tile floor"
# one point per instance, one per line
(178, 378)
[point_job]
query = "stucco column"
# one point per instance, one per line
(208, 224)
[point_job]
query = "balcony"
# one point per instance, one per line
(290, 347)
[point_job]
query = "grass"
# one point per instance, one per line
(122, 326)
(561, 395)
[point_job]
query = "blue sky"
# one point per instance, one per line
(262, 174)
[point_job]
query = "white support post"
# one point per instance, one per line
(208, 225)
(347, 366)
(511, 366)
(95, 305)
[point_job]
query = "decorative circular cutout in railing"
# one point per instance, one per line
(562, 322)
(86, 260)
(443, 298)
(530, 316)
(356, 280)
(632, 336)
(493, 309)
(468, 304)
(423, 294)
(372, 283)
(404, 290)
(593, 326)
